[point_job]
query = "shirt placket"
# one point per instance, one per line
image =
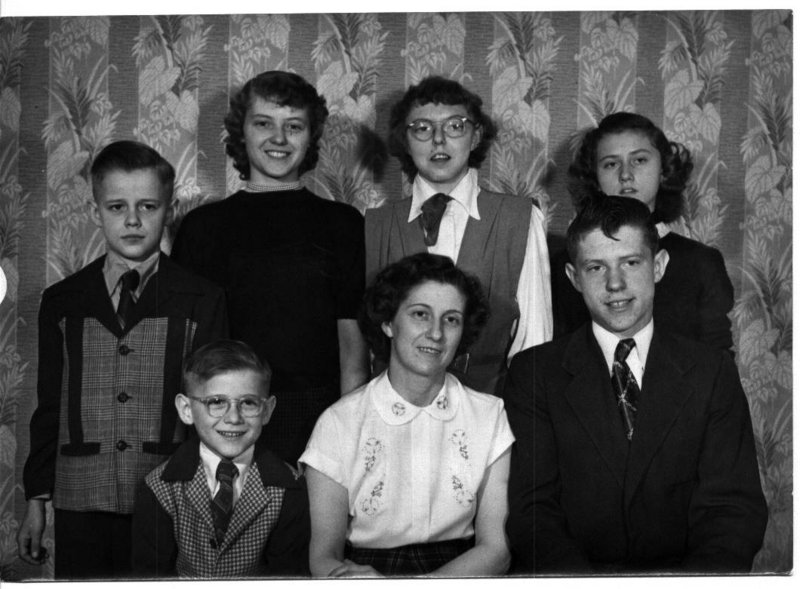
(421, 452)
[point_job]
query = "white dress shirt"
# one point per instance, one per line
(637, 358)
(115, 266)
(211, 461)
(535, 325)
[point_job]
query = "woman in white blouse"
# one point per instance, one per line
(408, 474)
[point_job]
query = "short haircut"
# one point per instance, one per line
(609, 214)
(220, 357)
(438, 90)
(393, 284)
(676, 164)
(284, 89)
(130, 156)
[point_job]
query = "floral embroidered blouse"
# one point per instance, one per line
(412, 473)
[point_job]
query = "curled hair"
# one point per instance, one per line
(392, 286)
(676, 164)
(609, 214)
(284, 89)
(220, 357)
(130, 156)
(438, 90)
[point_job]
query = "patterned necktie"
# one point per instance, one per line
(222, 503)
(431, 218)
(625, 386)
(130, 282)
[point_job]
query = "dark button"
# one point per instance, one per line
(124, 350)
(122, 445)
(122, 397)
(213, 543)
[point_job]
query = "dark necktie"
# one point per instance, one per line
(625, 386)
(222, 503)
(431, 218)
(130, 282)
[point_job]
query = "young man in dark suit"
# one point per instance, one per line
(635, 448)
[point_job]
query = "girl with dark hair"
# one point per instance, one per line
(440, 134)
(628, 155)
(292, 263)
(408, 475)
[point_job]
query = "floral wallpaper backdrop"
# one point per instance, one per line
(720, 82)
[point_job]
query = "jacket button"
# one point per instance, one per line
(213, 543)
(123, 396)
(124, 350)
(122, 445)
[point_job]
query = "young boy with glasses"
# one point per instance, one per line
(441, 135)
(221, 506)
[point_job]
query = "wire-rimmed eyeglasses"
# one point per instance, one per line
(453, 127)
(218, 406)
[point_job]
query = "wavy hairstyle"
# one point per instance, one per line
(284, 89)
(438, 90)
(392, 285)
(676, 164)
(609, 214)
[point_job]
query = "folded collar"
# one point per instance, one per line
(395, 410)
(115, 266)
(465, 194)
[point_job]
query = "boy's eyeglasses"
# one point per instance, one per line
(454, 127)
(219, 406)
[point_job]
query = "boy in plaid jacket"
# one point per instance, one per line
(222, 506)
(112, 339)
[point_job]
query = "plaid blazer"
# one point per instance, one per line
(173, 530)
(106, 414)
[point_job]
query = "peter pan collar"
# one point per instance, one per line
(395, 410)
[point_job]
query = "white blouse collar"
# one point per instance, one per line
(395, 410)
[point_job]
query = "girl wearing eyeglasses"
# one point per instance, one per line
(440, 134)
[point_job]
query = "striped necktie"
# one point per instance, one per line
(625, 386)
(222, 503)
(129, 282)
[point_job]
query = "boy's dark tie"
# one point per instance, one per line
(432, 211)
(130, 282)
(625, 386)
(222, 503)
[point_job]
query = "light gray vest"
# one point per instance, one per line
(493, 249)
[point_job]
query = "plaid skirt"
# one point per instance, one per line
(411, 559)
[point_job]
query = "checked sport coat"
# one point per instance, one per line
(173, 527)
(106, 411)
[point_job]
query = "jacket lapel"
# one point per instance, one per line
(412, 239)
(592, 400)
(96, 300)
(665, 392)
(252, 502)
(156, 292)
(476, 234)
(199, 498)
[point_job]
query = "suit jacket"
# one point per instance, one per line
(173, 529)
(693, 298)
(683, 495)
(106, 414)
